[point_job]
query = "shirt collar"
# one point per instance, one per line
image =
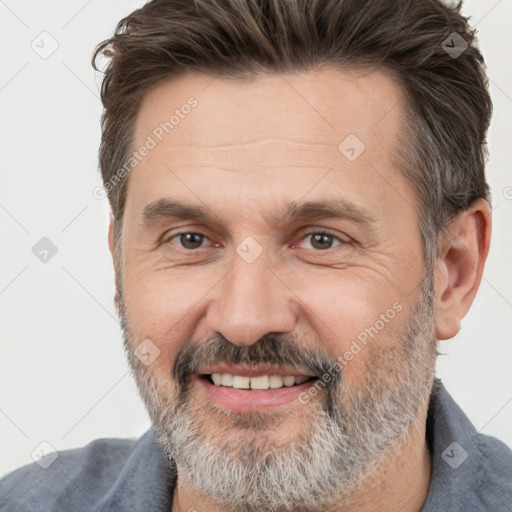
(147, 480)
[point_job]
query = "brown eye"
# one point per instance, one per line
(189, 241)
(321, 240)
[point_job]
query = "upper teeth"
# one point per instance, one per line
(262, 382)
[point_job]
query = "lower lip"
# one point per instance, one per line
(245, 400)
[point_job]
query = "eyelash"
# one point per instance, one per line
(323, 232)
(305, 235)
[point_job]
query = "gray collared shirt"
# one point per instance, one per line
(471, 472)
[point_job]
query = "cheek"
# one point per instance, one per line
(342, 309)
(163, 308)
(351, 320)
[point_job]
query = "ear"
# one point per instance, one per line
(463, 250)
(112, 249)
(111, 238)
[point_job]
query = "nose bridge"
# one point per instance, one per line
(250, 301)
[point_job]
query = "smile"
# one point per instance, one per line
(246, 388)
(260, 382)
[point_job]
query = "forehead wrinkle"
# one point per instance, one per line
(267, 141)
(255, 168)
(239, 157)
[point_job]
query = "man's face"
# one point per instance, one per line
(254, 293)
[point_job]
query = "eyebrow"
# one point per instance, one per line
(339, 209)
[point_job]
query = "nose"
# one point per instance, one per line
(250, 302)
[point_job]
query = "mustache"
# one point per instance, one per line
(268, 350)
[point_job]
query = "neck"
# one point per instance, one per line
(400, 481)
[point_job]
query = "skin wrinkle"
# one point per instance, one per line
(375, 247)
(292, 304)
(271, 94)
(173, 422)
(247, 160)
(337, 451)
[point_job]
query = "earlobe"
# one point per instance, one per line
(458, 273)
(448, 310)
(111, 238)
(443, 284)
(447, 326)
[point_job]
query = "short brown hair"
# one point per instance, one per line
(448, 110)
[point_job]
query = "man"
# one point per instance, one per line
(299, 213)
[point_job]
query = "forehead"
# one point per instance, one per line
(317, 107)
(276, 134)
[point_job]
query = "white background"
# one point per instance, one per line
(63, 374)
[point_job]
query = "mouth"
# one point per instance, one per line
(256, 383)
(249, 389)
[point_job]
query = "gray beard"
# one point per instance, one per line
(341, 442)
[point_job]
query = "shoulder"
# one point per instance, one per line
(66, 480)
(471, 470)
(493, 475)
